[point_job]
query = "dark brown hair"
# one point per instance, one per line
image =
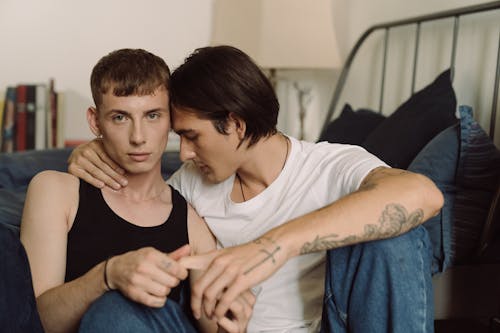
(216, 81)
(129, 72)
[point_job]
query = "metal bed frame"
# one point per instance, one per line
(458, 289)
(417, 21)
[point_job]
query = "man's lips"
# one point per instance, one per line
(202, 167)
(139, 157)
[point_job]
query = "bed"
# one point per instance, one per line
(432, 130)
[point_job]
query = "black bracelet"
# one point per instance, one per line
(108, 288)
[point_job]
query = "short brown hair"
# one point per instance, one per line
(129, 72)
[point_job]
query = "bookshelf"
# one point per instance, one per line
(31, 117)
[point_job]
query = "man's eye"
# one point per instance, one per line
(153, 115)
(191, 137)
(118, 117)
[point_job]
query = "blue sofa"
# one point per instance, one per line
(17, 169)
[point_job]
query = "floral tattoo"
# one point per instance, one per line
(393, 220)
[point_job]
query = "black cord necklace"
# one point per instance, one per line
(284, 162)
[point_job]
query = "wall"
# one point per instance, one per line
(64, 39)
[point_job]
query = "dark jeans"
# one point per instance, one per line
(380, 286)
(18, 312)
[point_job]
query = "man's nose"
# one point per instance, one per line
(186, 151)
(137, 134)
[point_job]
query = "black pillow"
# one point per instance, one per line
(352, 127)
(406, 131)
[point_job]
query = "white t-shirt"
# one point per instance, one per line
(314, 176)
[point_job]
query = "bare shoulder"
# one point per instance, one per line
(200, 236)
(54, 178)
(54, 189)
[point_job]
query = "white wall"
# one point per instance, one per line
(64, 39)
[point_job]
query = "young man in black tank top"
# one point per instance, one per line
(83, 242)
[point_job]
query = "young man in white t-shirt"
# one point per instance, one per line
(280, 208)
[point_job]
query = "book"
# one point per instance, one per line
(30, 116)
(20, 118)
(51, 116)
(8, 123)
(41, 116)
(32, 120)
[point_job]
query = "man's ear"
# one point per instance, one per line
(93, 122)
(238, 125)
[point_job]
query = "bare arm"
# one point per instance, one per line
(241, 308)
(50, 204)
(90, 162)
(145, 275)
(388, 203)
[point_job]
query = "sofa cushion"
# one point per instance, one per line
(11, 208)
(17, 169)
(465, 165)
(438, 161)
(478, 179)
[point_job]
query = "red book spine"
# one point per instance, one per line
(21, 118)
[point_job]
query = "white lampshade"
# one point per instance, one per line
(279, 34)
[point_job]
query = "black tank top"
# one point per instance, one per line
(98, 233)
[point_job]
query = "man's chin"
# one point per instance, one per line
(211, 178)
(137, 169)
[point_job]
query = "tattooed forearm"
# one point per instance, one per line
(264, 238)
(269, 256)
(326, 243)
(393, 221)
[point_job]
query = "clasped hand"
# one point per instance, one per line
(229, 274)
(147, 275)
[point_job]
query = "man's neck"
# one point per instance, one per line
(143, 186)
(263, 164)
